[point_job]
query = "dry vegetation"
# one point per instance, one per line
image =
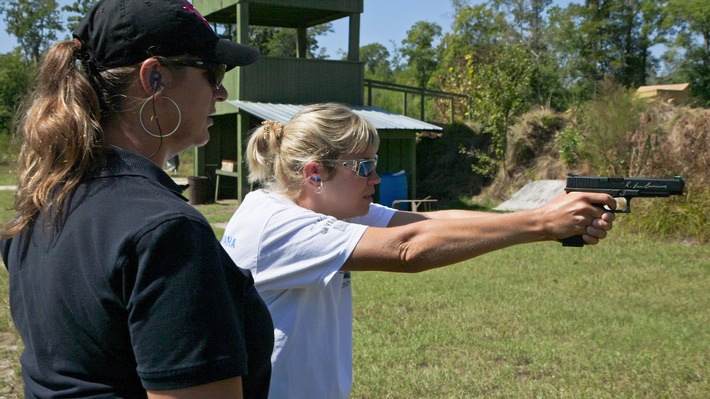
(617, 136)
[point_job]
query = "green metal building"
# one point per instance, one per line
(276, 87)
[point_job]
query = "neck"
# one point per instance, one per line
(153, 151)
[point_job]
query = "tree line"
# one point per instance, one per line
(507, 55)
(511, 56)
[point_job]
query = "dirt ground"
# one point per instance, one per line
(10, 379)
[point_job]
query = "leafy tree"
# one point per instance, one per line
(282, 42)
(502, 89)
(77, 11)
(529, 27)
(692, 19)
(634, 26)
(579, 33)
(13, 85)
(418, 47)
(527, 20)
(476, 32)
(499, 91)
(606, 39)
(377, 61)
(34, 23)
(546, 87)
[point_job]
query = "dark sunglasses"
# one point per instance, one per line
(363, 167)
(214, 72)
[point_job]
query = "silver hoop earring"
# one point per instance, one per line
(140, 117)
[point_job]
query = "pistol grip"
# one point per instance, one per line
(574, 241)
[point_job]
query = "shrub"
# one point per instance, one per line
(673, 141)
(568, 141)
(444, 170)
(605, 123)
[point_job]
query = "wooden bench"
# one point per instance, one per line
(425, 204)
(218, 173)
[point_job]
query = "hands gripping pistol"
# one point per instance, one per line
(618, 187)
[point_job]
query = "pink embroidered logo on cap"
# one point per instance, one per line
(189, 7)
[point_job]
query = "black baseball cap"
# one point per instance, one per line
(119, 33)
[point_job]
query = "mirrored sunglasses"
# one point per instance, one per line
(214, 72)
(363, 167)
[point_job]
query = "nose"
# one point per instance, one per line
(374, 178)
(220, 93)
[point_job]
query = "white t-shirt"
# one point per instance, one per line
(295, 256)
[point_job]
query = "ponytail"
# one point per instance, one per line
(59, 126)
(263, 143)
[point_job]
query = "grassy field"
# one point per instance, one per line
(625, 319)
(10, 345)
(7, 175)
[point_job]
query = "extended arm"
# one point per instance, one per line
(402, 218)
(430, 243)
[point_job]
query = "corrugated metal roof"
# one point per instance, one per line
(379, 118)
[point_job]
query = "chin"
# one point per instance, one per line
(204, 140)
(363, 211)
(355, 212)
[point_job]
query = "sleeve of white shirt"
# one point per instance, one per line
(377, 216)
(288, 247)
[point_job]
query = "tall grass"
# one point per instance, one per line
(606, 123)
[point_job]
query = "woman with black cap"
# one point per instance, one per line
(118, 287)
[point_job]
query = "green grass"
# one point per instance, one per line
(7, 174)
(218, 214)
(10, 345)
(626, 319)
(6, 201)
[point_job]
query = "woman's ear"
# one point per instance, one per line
(153, 76)
(311, 171)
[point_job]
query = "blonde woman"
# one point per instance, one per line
(118, 287)
(314, 222)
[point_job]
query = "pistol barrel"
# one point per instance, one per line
(626, 186)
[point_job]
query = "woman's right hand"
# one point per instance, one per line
(578, 213)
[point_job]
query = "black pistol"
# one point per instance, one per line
(621, 187)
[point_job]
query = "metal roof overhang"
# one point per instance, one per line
(379, 118)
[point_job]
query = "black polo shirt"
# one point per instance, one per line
(134, 292)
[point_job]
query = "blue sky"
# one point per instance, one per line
(387, 21)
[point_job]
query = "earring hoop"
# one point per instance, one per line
(140, 117)
(318, 180)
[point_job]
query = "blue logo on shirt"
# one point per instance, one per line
(229, 241)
